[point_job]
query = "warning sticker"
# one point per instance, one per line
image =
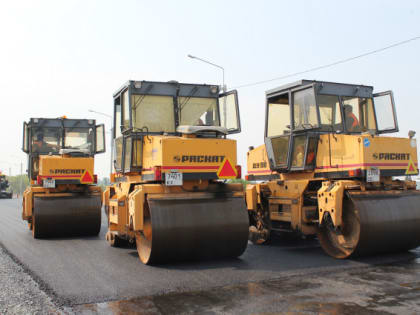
(226, 170)
(411, 168)
(86, 178)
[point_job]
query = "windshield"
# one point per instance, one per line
(152, 113)
(46, 140)
(80, 139)
(198, 111)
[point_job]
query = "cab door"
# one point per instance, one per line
(291, 145)
(100, 139)
(278, 131)
(386, 118)
(305, 120)
(229, 112)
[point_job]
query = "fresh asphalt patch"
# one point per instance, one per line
(87, 270)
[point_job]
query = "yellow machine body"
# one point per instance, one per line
(347, 195)
(168, 193)
(343, 153)
(62, 199)
(161, 155)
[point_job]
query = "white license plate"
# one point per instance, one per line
(173, 179)
(373, 175)
(49, 183)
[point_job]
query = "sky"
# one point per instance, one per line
(66, 57)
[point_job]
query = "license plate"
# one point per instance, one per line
(373, 174)
(49, 183)
(173, 179)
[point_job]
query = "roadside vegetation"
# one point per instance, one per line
(18, 183)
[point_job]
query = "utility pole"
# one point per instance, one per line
(223, 83)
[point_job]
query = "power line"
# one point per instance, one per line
(330, 64)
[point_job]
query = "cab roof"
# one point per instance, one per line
(325, 87)
(170, 88)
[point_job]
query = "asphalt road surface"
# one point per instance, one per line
(88, 270)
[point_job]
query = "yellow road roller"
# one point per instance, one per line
(62, 199)
(328, 168)
(172, 159)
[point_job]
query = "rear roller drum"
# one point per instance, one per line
(374, 222)
(144, 239)
(34, 227)
(66, 216)
(191, 229)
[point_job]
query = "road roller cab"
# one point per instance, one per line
(62, 199)
(172, 159)
(327, 167)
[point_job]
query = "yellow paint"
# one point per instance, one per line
(257, 161)
(251, 197)
(74, 167)
(171, 152)
(349, 152)
(330, 199)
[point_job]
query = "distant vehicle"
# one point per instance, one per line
(62, 198)
(5, 193)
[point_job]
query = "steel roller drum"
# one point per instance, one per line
(375, 222)
(75, 215)
(189, 229)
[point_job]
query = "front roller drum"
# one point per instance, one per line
(192, 229)
(77, 215)
(374, 222)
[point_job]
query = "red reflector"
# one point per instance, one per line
(87, 178)
(238, 171)
(38, 180)
(158, 172)
(226, 170)
(95, 179)
(246, 177)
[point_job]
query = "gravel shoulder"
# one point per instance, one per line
(20, 293)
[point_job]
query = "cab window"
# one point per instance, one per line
(278, 120)
(196, 111)
(329, 112)
(153, 113)
(304, 109)
(46, 140)
(358, 114)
